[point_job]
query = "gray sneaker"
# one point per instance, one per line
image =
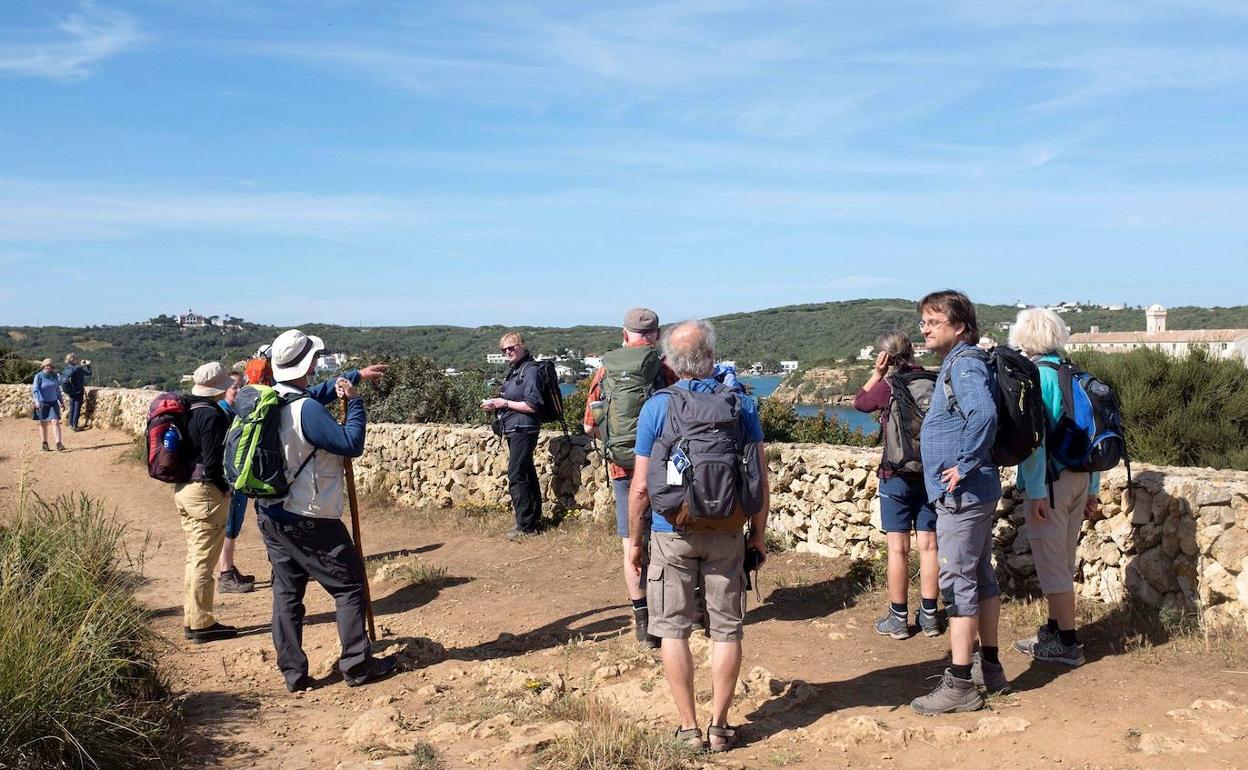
(951, 695)
(1025, 645)
(231, 583)
(891, 625)
(990, 676)
(928, 623)
(1051, 649)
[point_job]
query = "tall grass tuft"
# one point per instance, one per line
(78, 683)
(609, 740)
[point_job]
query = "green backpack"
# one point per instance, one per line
(255, 464)
(632, 375)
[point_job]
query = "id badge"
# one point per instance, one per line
(674, 477)
(680, 460)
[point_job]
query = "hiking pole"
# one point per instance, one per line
(355, 535)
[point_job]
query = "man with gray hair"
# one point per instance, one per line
(688, 547)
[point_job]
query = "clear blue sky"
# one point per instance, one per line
(555, 163)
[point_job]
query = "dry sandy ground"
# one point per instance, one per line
(516, 625)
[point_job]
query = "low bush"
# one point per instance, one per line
(782, 424)
(78, 683)
(415, 389)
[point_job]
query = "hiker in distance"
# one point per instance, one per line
(303, 532)
(629, 375)
(963, 485)
(904, 506)
(229, 579)
(203, 502)
(45, 393)
(74, 383)
(1053, 530)
(515, 419)
(692, 437)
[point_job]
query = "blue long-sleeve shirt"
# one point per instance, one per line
(1033, 472)
(322, 429)
(45, 388)
(961, 437)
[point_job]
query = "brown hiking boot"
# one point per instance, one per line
(951, 695)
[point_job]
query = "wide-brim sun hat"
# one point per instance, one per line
(210, 380)
(292, 353)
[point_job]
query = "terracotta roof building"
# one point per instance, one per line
(1221, 343)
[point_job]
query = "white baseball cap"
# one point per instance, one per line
(292, 354)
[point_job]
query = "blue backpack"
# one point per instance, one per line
(1088, 435)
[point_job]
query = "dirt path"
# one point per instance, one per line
(488, 648)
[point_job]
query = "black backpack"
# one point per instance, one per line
(551, 407)
(911, 396)
(1088, 435)
(1021, 424)
(718, 469)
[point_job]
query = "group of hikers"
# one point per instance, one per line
(685, 459)
(48, 391)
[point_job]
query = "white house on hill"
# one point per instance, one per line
(1221, 343)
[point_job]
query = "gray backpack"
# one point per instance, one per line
(718, 468)
(912, 395)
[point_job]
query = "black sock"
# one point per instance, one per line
(900, 610)
(990, 655)
(1069, 638)
(961, 672)
(929, 606)
(639, 604)
(1051, 625)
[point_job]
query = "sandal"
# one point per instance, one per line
(721, 738)
(692, 738)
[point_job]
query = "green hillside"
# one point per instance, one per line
(136, 355)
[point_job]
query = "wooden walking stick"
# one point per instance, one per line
(355, 535)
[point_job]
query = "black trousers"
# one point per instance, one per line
(322, 550)
(522, 481)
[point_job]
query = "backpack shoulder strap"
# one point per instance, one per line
(202, 405)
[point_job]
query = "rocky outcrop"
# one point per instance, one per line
(816, 386)
(1183, 546)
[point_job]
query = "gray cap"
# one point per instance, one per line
(641, 319)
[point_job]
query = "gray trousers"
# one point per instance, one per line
(964, 548)
(322, 550)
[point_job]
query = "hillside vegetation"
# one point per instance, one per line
(158, 355)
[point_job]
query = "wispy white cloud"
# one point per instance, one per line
(82, 41)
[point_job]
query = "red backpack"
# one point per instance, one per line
(168, 453)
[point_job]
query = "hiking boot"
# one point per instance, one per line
(929, 622)
(60, 447)
(1024, 645)
(990, 676)
(891, 625)
(212, 633)
(374, 670)
(1051, 649)
(515, 535)
(45, 447)
(231, 583)
(641, 622)
(302, 684)
(951, 695)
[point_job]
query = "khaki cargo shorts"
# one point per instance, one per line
(679, 563)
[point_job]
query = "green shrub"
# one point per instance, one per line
(782, 424)
(415, 389)
(1189, 411)
(78, 683)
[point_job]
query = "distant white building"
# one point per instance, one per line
(593, 362)
(920, 351)
(563, 370)
(495, 358)
(788, 366)
(545, 357)
(330, 362)
(727, 364)
(1221, 343)
(867, 353)
(191, 318)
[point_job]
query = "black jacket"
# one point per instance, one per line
(521, 384)
(205, 429)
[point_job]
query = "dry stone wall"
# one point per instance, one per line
(1183, 546)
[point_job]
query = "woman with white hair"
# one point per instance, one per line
(45, 392)
(1052, 529)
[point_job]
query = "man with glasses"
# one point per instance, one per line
(515, 416)
(963, 485)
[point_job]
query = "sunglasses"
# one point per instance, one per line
(508, 349)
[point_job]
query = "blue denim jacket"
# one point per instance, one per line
(963, 436)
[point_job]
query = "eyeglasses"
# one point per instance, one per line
(925, 324)
(508, 349)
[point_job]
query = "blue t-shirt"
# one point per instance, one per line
(654, 416)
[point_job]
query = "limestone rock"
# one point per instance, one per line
(378, 725)
(529, 739)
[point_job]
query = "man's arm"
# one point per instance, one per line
(638, 506)
(320, 428)
(324, 393)
(594, 394)
(968, 377)
(758, 522)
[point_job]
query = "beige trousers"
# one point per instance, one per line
(203, 509)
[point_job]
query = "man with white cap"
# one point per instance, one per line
(303, 532)
(204, 503)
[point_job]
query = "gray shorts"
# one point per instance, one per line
(678, 564)
(620, 488)
(964, 547)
